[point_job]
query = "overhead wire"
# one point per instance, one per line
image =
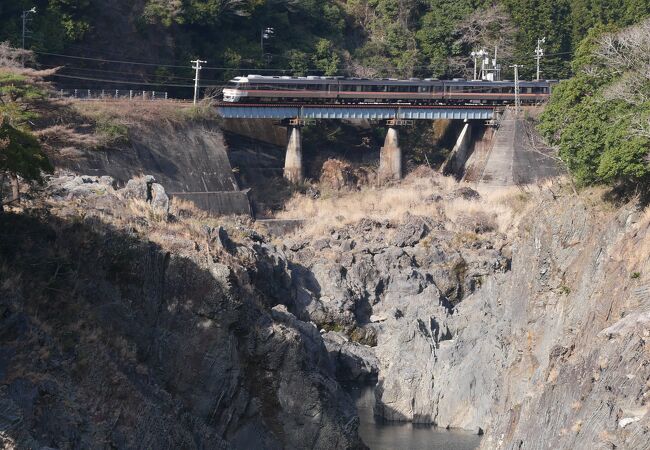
(258, 69)
(84, 69)
(132, 83)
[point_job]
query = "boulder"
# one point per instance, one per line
(353, 362)
(411, 231)
(466, 193)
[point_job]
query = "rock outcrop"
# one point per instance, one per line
(537, 337)
(125, 328)
(394, 286)
(120, 323)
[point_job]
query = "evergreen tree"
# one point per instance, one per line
(20, 156)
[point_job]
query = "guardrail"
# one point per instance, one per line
(111, 94)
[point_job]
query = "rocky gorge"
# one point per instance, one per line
(535, 334)
(134, 322)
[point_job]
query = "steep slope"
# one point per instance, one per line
(123, 327)
(537, 337)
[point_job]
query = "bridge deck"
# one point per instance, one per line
(369, 111)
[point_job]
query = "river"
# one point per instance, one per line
(381, 435)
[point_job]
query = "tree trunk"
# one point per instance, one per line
(15, 189)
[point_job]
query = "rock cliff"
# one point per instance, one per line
(135, 323)
(125, 326)
(539, 338)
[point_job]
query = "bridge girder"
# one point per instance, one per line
(351, 112)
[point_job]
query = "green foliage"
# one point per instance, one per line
(111, 130)
(18, 96)
(55, 24)
(21, 154)
(325, 57)
(397, 38)
(298, 62)
(592, 117)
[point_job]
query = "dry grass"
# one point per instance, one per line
(131, 113)
(416, 195)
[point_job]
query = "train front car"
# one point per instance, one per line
(235, 90)
(271, 89)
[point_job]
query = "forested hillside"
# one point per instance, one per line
(347, 37)
(600, 118)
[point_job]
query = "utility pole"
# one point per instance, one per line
(475, 56)
(517, 99)
(497, 68)
(197, 67)
(25, 17)
(479, 54)
(267, 33)
(539, 52)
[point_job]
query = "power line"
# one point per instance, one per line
(109, 60)
(115, 61)
(254, 69)
(143, 83)
(85, 69)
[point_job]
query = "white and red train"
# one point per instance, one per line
(339, 90)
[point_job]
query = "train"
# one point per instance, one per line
(414, 91)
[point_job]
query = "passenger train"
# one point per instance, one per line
(414, 91)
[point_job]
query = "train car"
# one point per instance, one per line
(491, 92)
(339, 90)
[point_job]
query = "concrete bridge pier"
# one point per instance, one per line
(390, 157)
(293, 171)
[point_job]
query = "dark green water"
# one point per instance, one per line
(382, 435)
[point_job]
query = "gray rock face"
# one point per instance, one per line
(543, 340)
(114, 340)
(570, 370)
(90, 187)
(73, 186)
(354, 362)
(411, 231)
(403, 289)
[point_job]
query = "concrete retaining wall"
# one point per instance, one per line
(236, 202)
(189, 160)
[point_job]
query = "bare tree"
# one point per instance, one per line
(626, 54)
(11, 57)
(484, 28)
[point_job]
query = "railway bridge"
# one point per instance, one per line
(390, 159)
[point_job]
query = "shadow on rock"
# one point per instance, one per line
(110, 340)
